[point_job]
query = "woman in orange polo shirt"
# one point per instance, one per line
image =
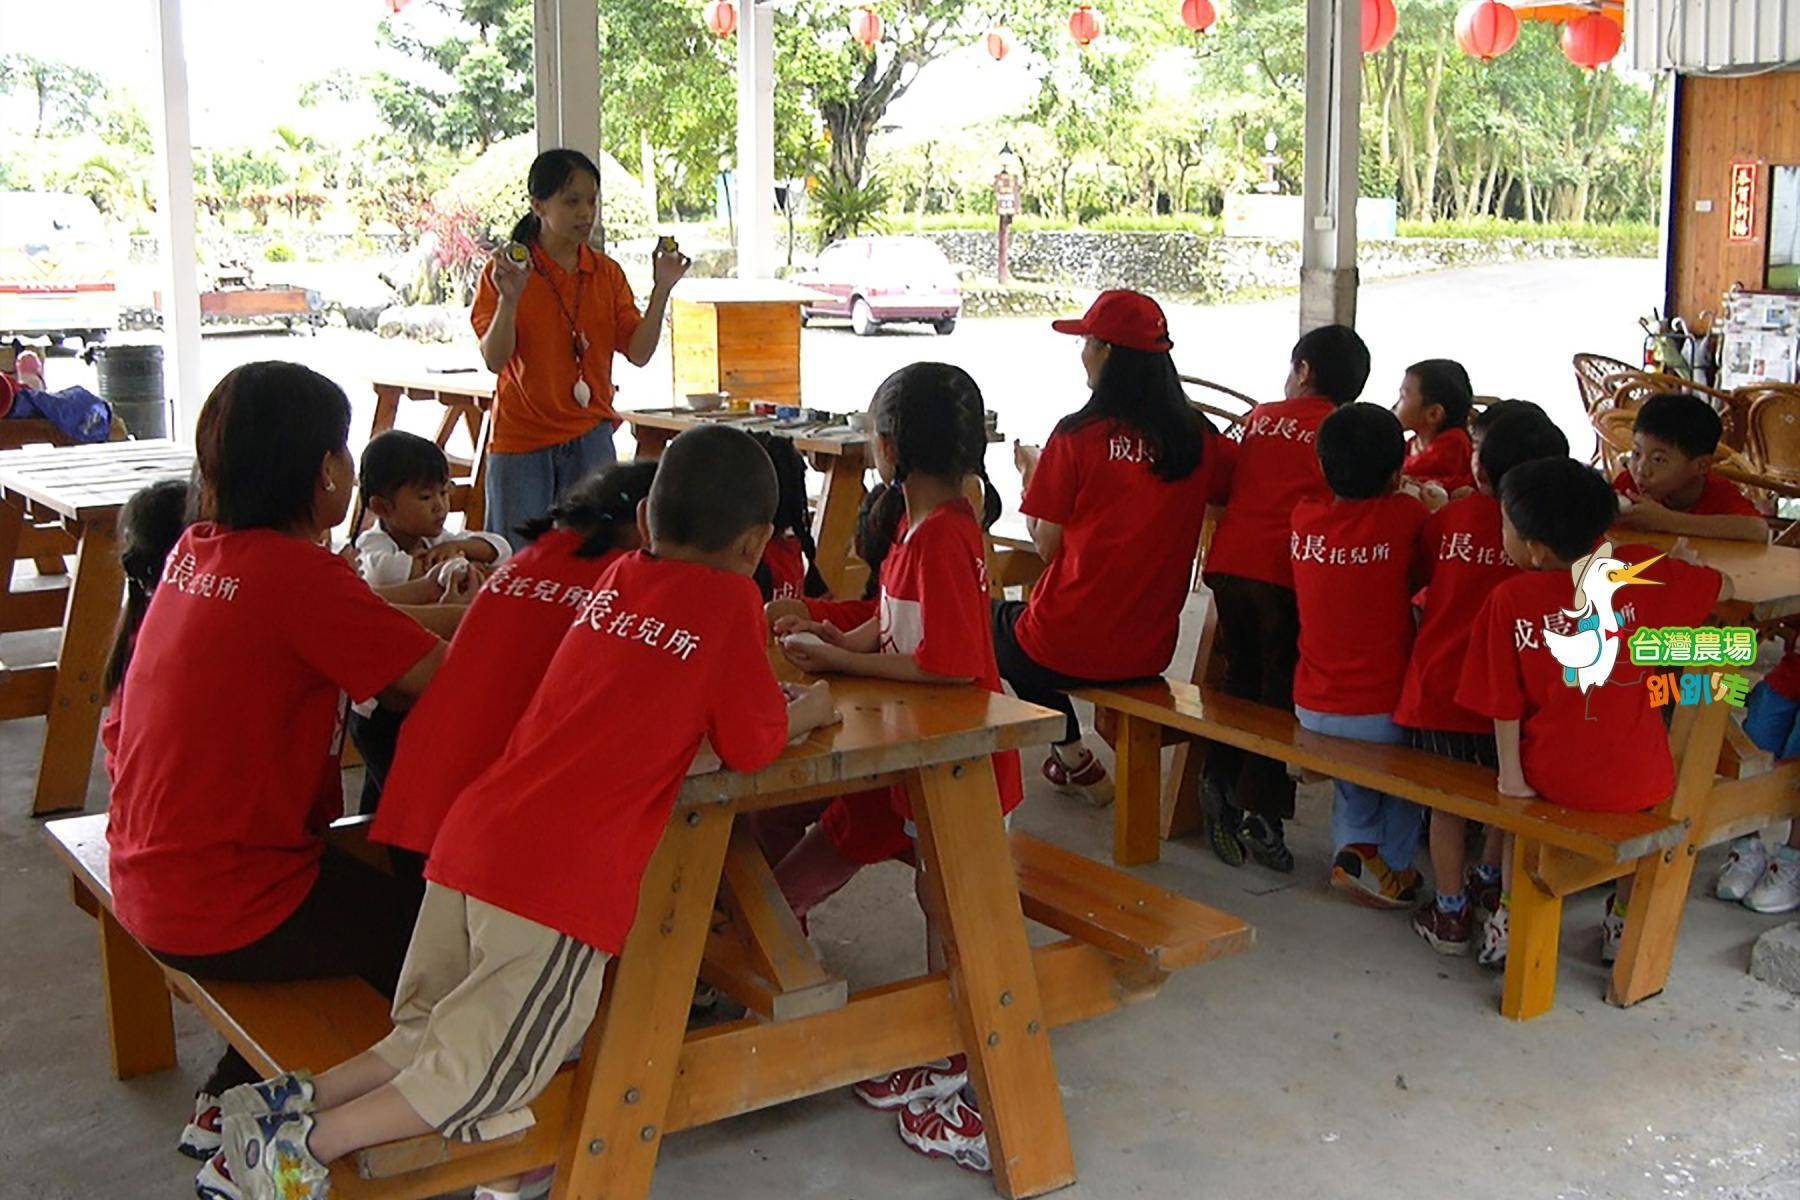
(549, 327)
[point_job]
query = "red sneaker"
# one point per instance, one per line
(922, 1084)
(1086, 778)
(948, 1127)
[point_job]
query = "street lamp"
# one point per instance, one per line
(1270, 161)
(1006, 204)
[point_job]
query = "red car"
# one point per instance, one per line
(876, 281)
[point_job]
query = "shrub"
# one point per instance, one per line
(846, 210)
(278, 252)
(492, 189)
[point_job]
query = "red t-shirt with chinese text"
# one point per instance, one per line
(1719, 497)
(934, 606)
(1606, 750)
(559, 829)
(1108, 606)
(1276, 467)
(1353, 562)
(845, 615)
(1449, 461)
(1463, 561)
(494, 665)
(787, 567)
(224, 760)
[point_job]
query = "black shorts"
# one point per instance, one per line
(1477, 748)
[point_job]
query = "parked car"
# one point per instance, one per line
(876, 281)
(56, 268)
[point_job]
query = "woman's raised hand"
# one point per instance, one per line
(509, 276)
(667, 267)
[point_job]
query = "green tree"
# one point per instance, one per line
(65, 95)
(485, 94)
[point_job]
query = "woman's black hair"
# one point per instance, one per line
(260, 440)
(1142, 390)
(933, 414)
(600, 507)
(790, 514)
(550, 173)
(1445, 382)
(149, 525)
(394, 460)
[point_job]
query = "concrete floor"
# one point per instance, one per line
(1339, 1058)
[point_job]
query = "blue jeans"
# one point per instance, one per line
(1772, 721)
(522, 487)
(1363, 815)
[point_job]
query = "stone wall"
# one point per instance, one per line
(308, 245)
(1204, 267)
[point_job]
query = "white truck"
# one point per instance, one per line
(58, 276)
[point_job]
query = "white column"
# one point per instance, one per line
(566, 87)
(1333, 108)
(175, 227)
(755, 210)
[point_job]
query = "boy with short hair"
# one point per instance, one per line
(1251, 577)
(1354, 560)
(533, 880)
(1600, 747)
(1669, 479)
(1463, 560)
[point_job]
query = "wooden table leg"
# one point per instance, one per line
(1659, 889)
(1137, 788)
(387, 408)
(627, 1073)
(650, 442)
(834, 524)
(1181, 809)
(993, 984)
(1534, 928)
(12, 529)
(140, 1019)
(75, 703)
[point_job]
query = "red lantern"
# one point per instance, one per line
(998, 42)
(865, 27)
(1486, 29)
(394, 6)
(1591, 41)
(721, 17)
(1379, 20)
(1198, 15)
(1084, 24)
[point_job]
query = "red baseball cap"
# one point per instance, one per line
(1121, 318)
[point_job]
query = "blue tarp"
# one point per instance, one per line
(75, 411)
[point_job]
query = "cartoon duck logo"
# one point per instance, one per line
(1587, 655)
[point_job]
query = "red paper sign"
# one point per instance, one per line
(1741, 226)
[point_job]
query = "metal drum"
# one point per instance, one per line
(131, 380)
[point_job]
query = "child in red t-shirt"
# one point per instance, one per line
(1761, 880)
(149, 525)
(1583, 737)
(1355, 560)
(933, 627)
(1250, 573)
(1463, 560)
(1434, 404)
(1669, 481)
(499, 654)
(789, 569)
(534, 878)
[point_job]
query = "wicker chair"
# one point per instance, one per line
(1594, 377)
(1233, 419)
(1772, 441)
(1632, 388)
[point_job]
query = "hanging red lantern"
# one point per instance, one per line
(721, 17)
(1379, 21)
(1084, 24)
(1198, 15)
(1486, 29)
(1592, 41)
(998, 42)
(865, 27)
(394, 6)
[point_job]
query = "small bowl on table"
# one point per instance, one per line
(706, 401)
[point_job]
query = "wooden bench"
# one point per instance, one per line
(1557, 851)
(1123, 938)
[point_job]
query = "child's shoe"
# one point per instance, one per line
(948, 1127)
(200, 1140)
(1778, 891)
(1446, 930)
(288, 1092)
(1493, 939)
(270, 1159)
(535, 1185)
(1265, 841)
(1223, 821)
(1483, 891)
(214, 1181)
(1359, 873)
(921, 1084)
(1612, 930)
(1743, 868)
(1080, 775)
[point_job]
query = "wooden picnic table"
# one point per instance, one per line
(84, 486)
(468, 400)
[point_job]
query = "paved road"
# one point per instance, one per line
(1514, 326)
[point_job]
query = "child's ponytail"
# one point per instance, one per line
(150, 523)
(602, 508)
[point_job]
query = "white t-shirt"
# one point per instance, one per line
(381, 561)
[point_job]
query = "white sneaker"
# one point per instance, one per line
(200, 1139)
(1612, 932)
(1743, 868)
(1493, 939)
(1778, 891)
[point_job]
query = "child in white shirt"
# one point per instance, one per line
(404, 482)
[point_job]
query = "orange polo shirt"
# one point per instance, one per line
(534, 400)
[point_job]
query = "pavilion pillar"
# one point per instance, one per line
(565, 38)
(755, 211)
(175, 223)
(1328, 275)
